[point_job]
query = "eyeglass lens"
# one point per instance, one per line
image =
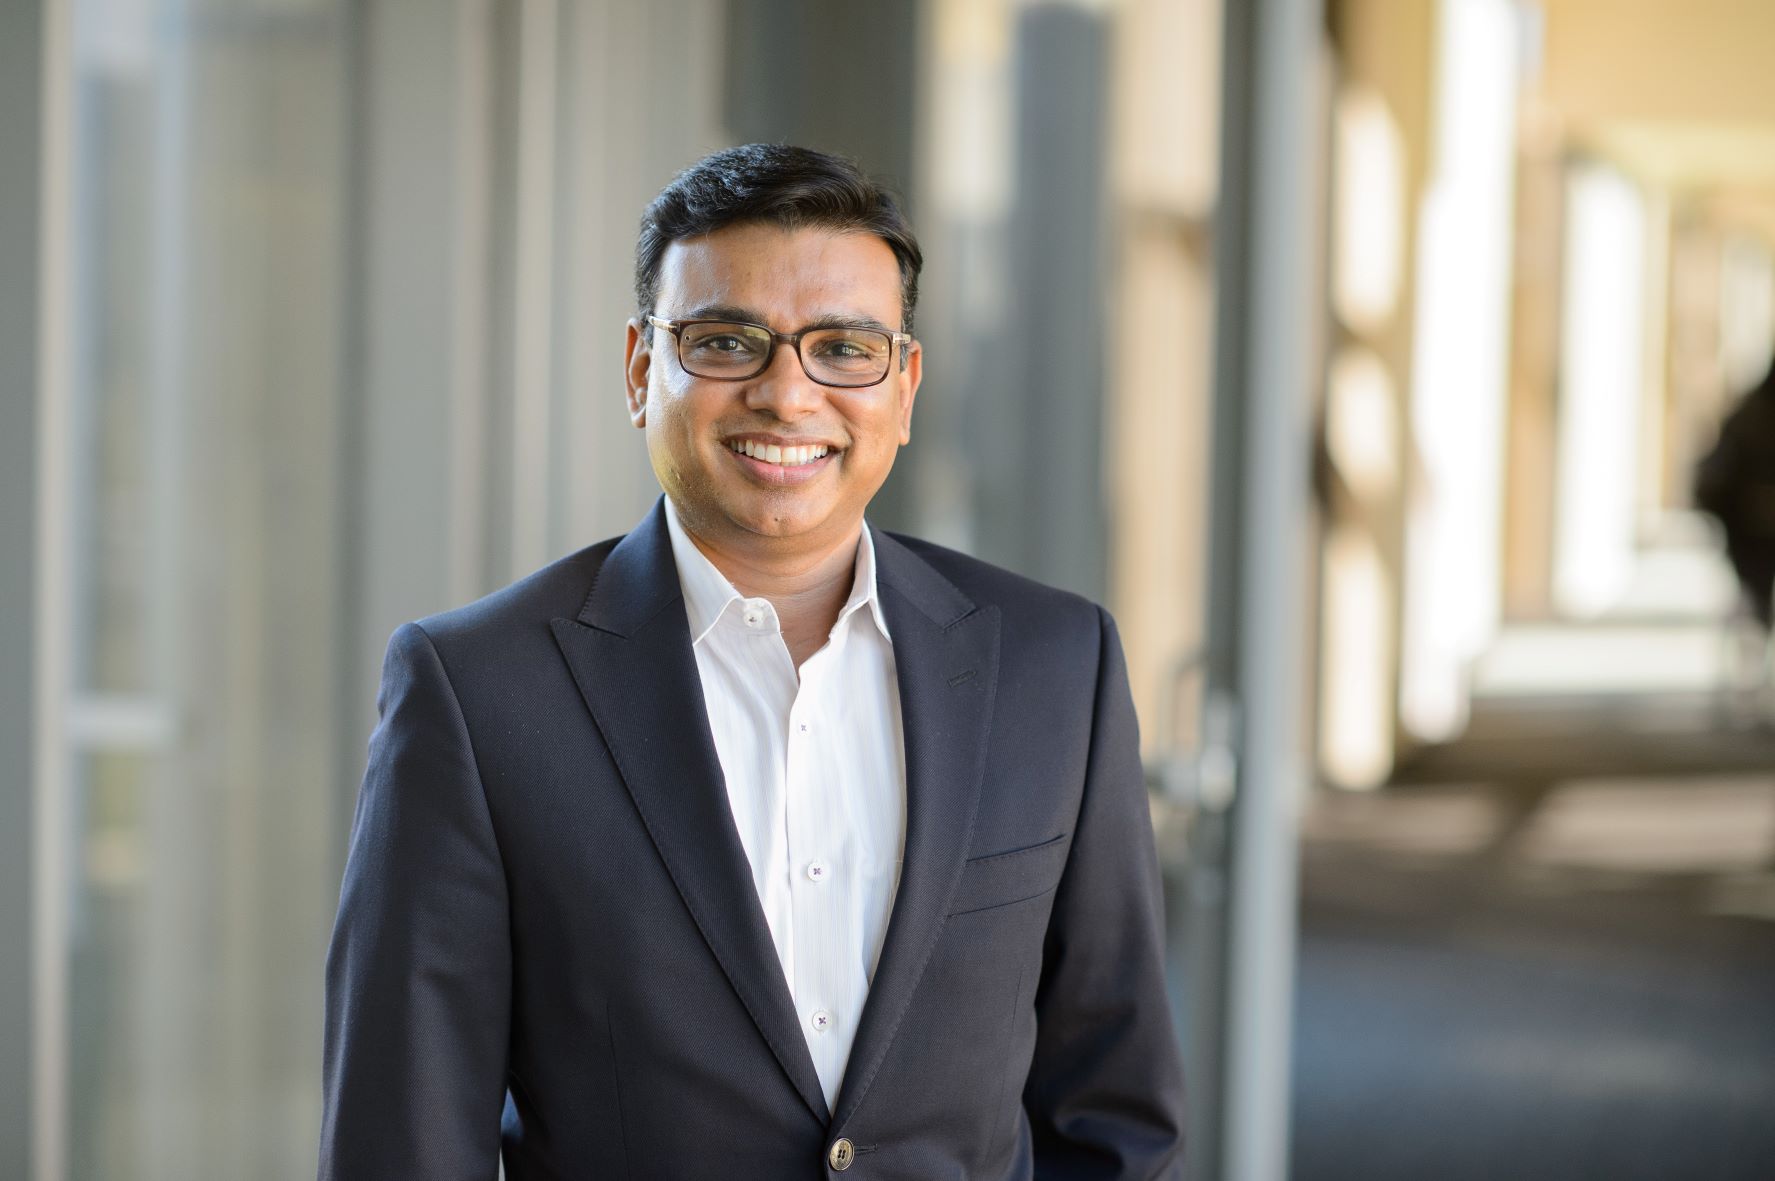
(832, 356)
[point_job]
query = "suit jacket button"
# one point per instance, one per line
(842, 1155)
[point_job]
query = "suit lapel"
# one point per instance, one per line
(946, 660)
(630, 655)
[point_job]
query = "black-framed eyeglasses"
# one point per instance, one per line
(733, 350)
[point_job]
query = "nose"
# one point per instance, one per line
(784, 388)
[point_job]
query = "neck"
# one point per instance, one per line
(808, 589)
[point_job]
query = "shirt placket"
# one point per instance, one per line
(817, 879)
(762, 669)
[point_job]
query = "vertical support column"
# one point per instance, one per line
(33, 141)
(1532, 416)
(1267, 299)
(1044, 412)
(21, 129)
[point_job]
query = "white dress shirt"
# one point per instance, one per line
(816, 777)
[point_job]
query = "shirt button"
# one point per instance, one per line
(816, 871)
(821, 1021)
(842, 1155)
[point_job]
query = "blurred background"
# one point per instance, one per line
(1361, 355)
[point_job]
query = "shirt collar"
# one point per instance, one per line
(707, 592)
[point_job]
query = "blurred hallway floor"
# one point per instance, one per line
(1559, 980)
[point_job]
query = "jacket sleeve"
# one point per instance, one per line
(418, 984)
(1105, 1089)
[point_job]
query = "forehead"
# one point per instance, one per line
(787, 276)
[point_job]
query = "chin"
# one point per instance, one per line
(773, 518)
(784, 525)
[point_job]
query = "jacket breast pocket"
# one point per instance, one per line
(1015, 876)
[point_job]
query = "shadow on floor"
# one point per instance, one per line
(1562, 980)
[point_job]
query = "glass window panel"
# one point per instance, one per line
(211, 154)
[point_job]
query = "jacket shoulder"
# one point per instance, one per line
(557, 590)
(1023, 602)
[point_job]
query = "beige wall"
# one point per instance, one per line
(1166, 111)
(1383, 89)
(1699, 61)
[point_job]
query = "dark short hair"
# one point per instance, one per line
(783, 185)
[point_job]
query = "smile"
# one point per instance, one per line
(772, 453)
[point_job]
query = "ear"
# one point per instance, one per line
(909, 378)
(637, 364)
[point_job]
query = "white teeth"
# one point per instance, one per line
(780, 455)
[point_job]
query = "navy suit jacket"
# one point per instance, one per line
(548, 939)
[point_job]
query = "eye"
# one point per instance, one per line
(847, 347)
(725, 342)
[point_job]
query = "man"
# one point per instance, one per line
(1735, 483)
(756, 844)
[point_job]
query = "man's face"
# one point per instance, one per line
(786, 280)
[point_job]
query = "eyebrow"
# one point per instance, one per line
(728, 311)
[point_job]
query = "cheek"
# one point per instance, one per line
(660, 399)
(886, 429)
(671, 404)
(679, 419)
